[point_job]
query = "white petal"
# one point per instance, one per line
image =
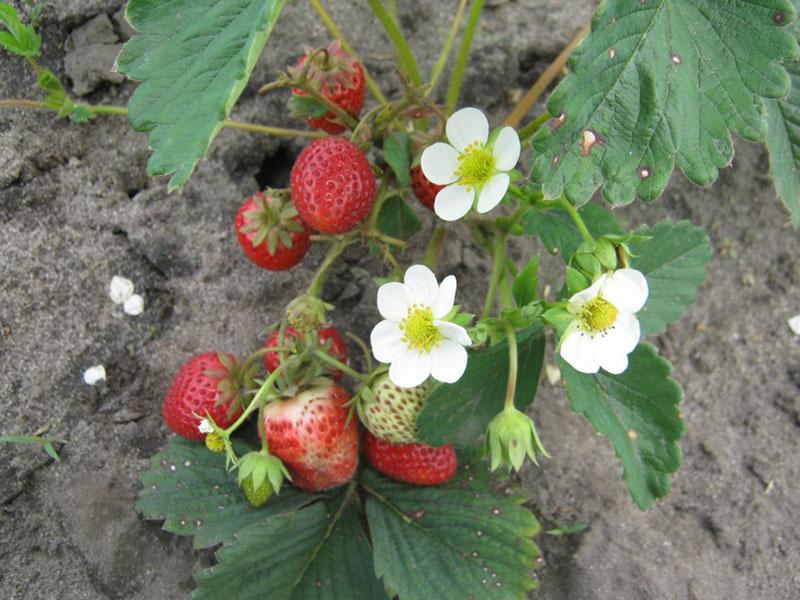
(506, 149)
(386, 342)
(614, 363)
(453, 202)
(205, 427)
(423, 285)
(454, 332)
(794, 324)
(94, 374)
(411, 369)
(120, 289)
(626, 289)
(625, 332)
(446, 298)
(466, 126)
(393, 301)
(576, 349)
(580, 298)
(134, 305)
(448, 361)
(439, 163)
(493, 192)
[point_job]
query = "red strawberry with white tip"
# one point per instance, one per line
(333, 187)
(413, 463)
(329, 339)
(311, 434)
(207, 384)
(337, 76)
(424, 190)
(270, 232)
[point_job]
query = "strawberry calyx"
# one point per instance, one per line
(273, 220)
(233, 379)
(261, 473)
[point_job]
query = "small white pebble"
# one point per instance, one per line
(552, 373)
(120, 289)
(94, 374)
(794, 324)
(134, 305)
(205, 427)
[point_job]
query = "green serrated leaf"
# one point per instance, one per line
(460, 412)
(319, 552)
(397, 154)
(659, 83)
(524, 286)
(189, 489)
(638, 412)
(463, 539)
(194, 58)
(397, 219)
(21, 39)
(674, 263)
(559, 234)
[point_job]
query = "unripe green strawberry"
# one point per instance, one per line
(391, 411)
(256, 496)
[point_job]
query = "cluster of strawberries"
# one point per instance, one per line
(308, 421)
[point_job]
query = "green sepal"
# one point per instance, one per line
(576, 281)
(397, 154)
(606, 254)
(524, 286)
(510, 437)
(560, 318)
(306, 107)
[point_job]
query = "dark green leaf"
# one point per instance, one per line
(460, 412)
(397, 153)
(194, 58)
(559, 234)
(318, 552)
(524, 286)
(397, 219)
(638, 412)
(674, 262)
(188, 488)
(463, 539)
(660, 82)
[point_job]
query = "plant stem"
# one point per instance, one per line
(334, 252)
(513, 360)
(405, 57)
(576, 217)
(333, 361)
(268, 130)
(550, 73)
(329, 23)
(454, 90)
(256, 401)
(447, 48)
(362, 345)
(532, 127)
(498, 268)
(434, 248)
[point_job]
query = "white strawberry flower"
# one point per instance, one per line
(473, 167)
(606, 329)
(413, 337)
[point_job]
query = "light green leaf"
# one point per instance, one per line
(460, 412)
(188, 488)
(397, 153)
(638, 412)
(659, 83)
(397, 219)
(783, 139)
(674, 263)
(319, 552)
(46, 444)
(194, 58)
(20, 39)
(463, 539)
(559, 234)
(524, 286)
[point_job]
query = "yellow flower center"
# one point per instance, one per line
(419, 332)
(598, 314)
(475, 165)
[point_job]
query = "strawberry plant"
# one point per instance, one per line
(390, 472)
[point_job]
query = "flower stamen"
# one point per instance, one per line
(476, 165)
(419, 332)
(598, 314)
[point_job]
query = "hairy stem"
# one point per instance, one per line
(498, 268)
(511, 390)
(326, 19)
(447, 48)
(434, 248)
(454, 91)
(257, 400)
(334, 362)
(268, 130)
(319, 278)
(540, 85)
(362, 345)
(534, 126)
(576, 218)
(405, 57)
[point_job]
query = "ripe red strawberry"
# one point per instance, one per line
(337, 76)
(333, 187)
(329, 338)
(210, 384)
(424, 190)
(417, 464)
(270, 232)
(310, 433)
(390, 411)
